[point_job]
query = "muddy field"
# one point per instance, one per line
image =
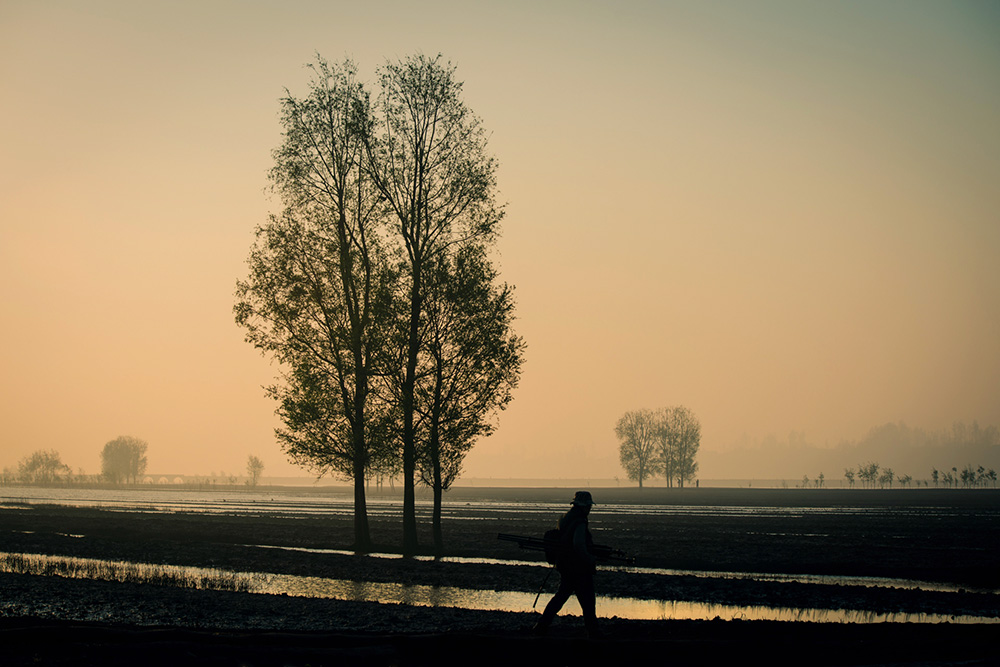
(949, 537)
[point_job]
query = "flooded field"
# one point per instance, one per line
(700, 554)
(436, 596)
(472, 506)
(717, 572)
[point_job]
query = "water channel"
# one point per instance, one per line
(435, 596)
(828, 579)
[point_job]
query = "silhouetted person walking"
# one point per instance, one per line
(576, 565)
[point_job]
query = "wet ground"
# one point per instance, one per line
(951, 539)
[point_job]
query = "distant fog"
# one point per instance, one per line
(908, 451)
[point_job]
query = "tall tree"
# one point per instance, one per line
(678, 439)
(471, 365)
(123, 459)
(637, 432)
(317, 295)
(428, 158)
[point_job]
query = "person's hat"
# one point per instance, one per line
(583, 499)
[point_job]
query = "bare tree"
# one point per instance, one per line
(123, 460)
(428, 157)
(42, 467)
(678, 439)
(255, 468)
(638, 433)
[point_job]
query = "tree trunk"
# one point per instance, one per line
(438, 535)
(435, 452)
(362, 537)
(409, 436)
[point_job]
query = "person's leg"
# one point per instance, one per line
(588, 601)
(556, 603)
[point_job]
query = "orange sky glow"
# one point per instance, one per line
(783, 215)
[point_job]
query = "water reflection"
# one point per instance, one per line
(626, 608)
(825, 579)
(435, 596)
(127, 572)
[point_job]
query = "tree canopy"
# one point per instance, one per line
(637, 432)
(319, 289)
(42, 466)
(471, 365)
(428, 158)
(255, 468)
(663, 442)
(123, 460)
(385, 206)
(678, 439)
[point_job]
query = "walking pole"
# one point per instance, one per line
(540, 588)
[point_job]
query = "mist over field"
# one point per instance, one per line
(791, 462)
(332, 331)
(906, 450)
(781, 216)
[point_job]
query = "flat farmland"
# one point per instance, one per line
(944, 546)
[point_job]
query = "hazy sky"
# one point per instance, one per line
(783, 215)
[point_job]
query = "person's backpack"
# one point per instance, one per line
(553, 545)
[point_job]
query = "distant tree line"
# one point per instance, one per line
(123, 461)
(374, 286)
(872, 475)
(968, 477)
(905, 446)
(819, 482)
(659, 443)
(43, 467)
